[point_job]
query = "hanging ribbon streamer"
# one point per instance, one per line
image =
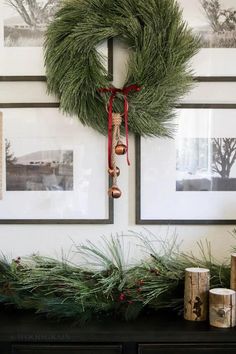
(115, 146)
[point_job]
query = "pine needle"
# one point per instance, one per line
(107, 285)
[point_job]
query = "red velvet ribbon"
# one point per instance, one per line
(113, 91)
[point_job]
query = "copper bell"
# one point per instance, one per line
(114, 192)
(120, 148)
(111, 172)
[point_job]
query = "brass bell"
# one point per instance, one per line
(114, 192)
(120, 148)
(111, 172)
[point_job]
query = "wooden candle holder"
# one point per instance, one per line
(222, 308)
(196, 294)
(233, 272)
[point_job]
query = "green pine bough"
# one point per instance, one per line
(107, 286)
(160, 44)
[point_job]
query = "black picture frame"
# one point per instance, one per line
(139, 219)
(28, 78)
(216, 55)
(108, 220)
(214, 78)
(6, 105)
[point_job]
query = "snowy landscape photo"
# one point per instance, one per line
(214, 21)
(47, 170)
(25, 21)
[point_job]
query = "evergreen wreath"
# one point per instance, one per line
(161, 46)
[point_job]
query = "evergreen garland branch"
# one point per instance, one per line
(106, 286)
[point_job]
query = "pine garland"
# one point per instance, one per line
(161, 46)
(106, 286)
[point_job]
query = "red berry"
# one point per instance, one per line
(122, 297)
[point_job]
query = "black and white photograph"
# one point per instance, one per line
(51, 168)
(48, 170)
(191, 178)
(25, 21)
(220, 32)
(206, 164)
(214, 21)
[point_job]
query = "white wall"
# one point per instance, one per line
(20, 240)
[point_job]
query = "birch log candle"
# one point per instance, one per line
(222, 308)
(196, 294)
(233, 272)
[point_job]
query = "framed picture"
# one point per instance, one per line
(53, 168)
(206, 92)
(215, 22)
(190, 179)
(21, 92)
(22, 28)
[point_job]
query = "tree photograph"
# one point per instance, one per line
(214, 21)
(206, 164)
(222, 22)
(10, 158)
(25, 21)
(224, 156)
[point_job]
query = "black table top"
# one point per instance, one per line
(21, 326)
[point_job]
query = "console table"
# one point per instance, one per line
(26, 333)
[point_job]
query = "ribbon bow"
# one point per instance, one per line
(125, 91)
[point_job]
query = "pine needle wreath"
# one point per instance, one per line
(161, 46)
